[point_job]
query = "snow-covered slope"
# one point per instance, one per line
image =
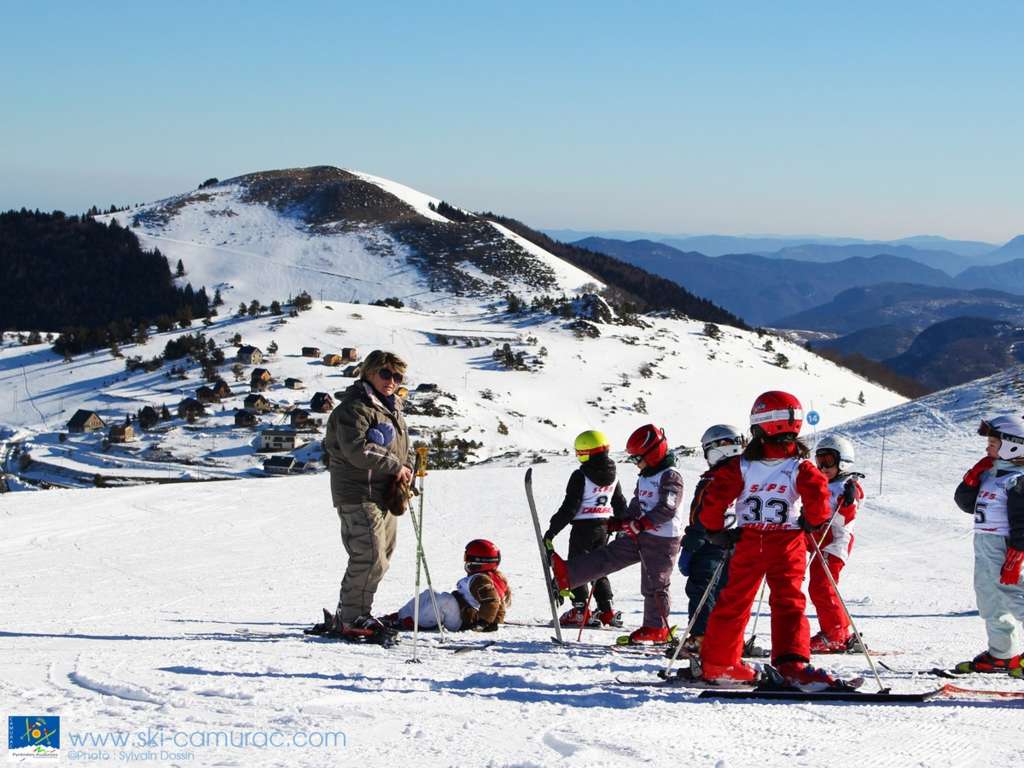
(179, 610)
(670, 373)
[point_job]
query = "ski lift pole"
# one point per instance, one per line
(881, 463)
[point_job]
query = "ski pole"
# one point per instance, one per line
(693, 619)
(583, 616)
(828, 526)
(421, 454)
(853, 625)
(421, 559)
(757, 615)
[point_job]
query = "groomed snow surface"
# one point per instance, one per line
(180, 608)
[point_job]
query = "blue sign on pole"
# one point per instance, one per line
(813, 417)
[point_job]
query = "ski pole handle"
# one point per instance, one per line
(421, 460)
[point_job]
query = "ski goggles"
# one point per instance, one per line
(721, 442)
(985, 429)
(826, 459)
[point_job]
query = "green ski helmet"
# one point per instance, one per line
(590, 443)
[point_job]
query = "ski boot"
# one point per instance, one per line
(560, 580)
(648, 636)
(367, 629)
(986, 662)
(690, 648)
(822, 643)
(804, 677)
(610, 618)
(324, 627)
(740, 672)
(752, 650)
(578, 616)
(392, 621)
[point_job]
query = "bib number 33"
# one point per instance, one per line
(773, 511)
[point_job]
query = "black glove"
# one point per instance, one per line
(849, 493)
(807, 527)
(692, 542)
(726, 539)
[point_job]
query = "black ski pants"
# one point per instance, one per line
(586, 536)
(702, 567)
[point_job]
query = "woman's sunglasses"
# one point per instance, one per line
(389, 375)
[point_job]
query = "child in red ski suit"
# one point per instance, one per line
(834, 456)
(768, 483)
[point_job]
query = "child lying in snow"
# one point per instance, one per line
(478, 601)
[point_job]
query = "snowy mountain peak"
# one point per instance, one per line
(343, 235)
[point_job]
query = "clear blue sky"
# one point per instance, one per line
(873, 119)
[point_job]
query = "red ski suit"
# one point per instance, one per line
(764, 550)
(831, 615)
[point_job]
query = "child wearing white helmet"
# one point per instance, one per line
(698, 557)
(993, 491)
(834, 456)
(593, 497)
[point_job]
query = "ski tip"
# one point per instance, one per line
(529, 474)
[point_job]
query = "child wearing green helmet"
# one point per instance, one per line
(592, 498)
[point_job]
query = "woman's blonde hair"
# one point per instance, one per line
(379, 359)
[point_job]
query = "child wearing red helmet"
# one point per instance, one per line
(649, 535)
(768, 482)
(478, 602)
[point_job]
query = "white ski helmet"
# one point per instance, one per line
(1010, 431)
(722, 441)
(843, 449)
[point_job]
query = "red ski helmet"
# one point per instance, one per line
(648, 444)
(481, 556)
(776, 413)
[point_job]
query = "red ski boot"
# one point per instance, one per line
(822, 643)
(647, 636)
(733, 673)
(986, 662)
(577, 616)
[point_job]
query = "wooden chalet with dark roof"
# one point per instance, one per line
(259, 379)
(246, 417)
(257, 402)
(321, 403)
(222, 389)
(85, 421)
(121, 433)
(249, 355)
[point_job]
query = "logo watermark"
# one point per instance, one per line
(39, 737)
(33, 737)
